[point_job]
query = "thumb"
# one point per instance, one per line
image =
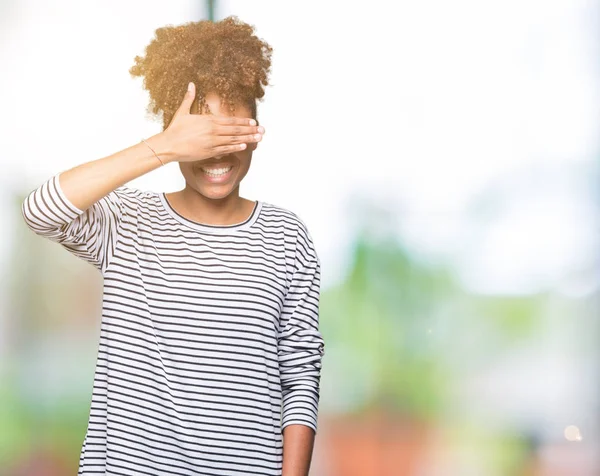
(188, 99)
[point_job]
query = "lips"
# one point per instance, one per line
(218, 172)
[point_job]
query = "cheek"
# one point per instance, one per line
(247, 164)
(186, 169)
(244, 159)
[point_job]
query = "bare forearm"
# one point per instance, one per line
(298, 442)
(188, 138)
(87, 183)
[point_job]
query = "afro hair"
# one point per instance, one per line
(224, 57)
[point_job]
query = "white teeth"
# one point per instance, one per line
(216, 172)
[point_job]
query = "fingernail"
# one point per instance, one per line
(190, 86)
(261, 129)
(252, 122)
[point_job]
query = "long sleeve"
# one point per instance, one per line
(300, 344)
(90, 235)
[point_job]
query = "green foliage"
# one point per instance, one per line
(516, 316)
(392, 323)
(382, 312)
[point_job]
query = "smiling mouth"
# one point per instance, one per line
(217, 171)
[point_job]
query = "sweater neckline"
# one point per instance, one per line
(208, 228)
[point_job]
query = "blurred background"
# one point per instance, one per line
(445, 157)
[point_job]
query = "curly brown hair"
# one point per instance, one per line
(225, 58)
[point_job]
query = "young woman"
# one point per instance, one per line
(210, 352)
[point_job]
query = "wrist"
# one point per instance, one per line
(161, 145)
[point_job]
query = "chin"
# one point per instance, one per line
(214, 193)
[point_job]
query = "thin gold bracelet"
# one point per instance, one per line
(153, 152)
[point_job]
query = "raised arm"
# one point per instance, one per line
(83, 208)
(189, 137)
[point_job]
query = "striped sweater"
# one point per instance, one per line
(209, 340)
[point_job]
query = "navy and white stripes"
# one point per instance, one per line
(209, 341)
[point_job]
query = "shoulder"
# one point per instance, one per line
(295, 225)
(285, 216)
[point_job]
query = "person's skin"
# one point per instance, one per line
(298, 443)
(192, 139)
(210, 200)
(188, 138)
(207, 201)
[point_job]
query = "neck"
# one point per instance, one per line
(221, 211)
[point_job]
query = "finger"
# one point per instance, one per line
(188, 99)
(234, 121)
(247, 139)
(238, 130)
(228, 149)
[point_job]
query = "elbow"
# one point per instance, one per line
(35, 218)
(300, 372)
(31, 215)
